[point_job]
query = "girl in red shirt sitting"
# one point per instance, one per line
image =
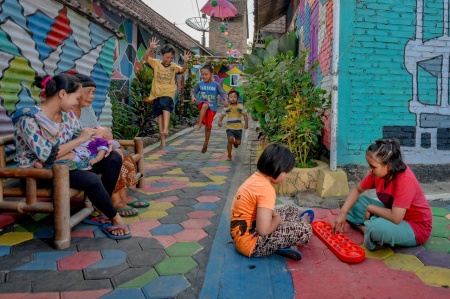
(402, 215)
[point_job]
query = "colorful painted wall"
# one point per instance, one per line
(46, 37)
(394, 74)
(312, 20)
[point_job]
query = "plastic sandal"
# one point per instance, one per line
(290, 253)
(310, 213)
(139, 203)
(97, 220)
(109, 228)
(134, 213)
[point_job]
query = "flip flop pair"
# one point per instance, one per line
(109, 228)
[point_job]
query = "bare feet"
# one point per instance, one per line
(165, 133)
(204, 149)
(163, 141)
(229, 157)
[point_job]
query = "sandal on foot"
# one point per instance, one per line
(134, 213)
(139, 176)
(290, 253)
(310, 213)
(109, 228)
(97, 220)
(139, 203)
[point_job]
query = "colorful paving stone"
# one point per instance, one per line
(140, 281)
(166, 229)
(183, 249)
(14, 238)
(176, 265)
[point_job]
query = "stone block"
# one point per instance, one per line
(332, 183)
(300, 179)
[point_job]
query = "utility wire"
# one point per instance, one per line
(198, 9)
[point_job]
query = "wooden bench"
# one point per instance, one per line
(16, 197)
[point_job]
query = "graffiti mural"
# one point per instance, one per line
(427, 59)
(313, 22)
(47, 37)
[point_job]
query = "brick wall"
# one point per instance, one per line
(237, 34)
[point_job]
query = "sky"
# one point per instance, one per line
(178, 11)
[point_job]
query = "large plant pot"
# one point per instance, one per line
(300, 179)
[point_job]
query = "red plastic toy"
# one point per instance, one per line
(343, 247)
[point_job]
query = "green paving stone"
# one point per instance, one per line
(32, 226)
(176, 265)
(39, 216)
(438, 244)
(441, 212)
(440, 232)
(140, 281)
(183, 249)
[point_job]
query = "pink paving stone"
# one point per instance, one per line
(200, 214)
(368, 265)
(140, 233)
(195, 223)
(190, 235)
(6, 220)
(321, 214)
(168, 199)
(52, 295)
(335, 211)
(315, 242)
(144, 225)
(165, 180)
(84, 294)
(79, 260)
(208, 198)
(166, 241)
(315, 285)
(14, 295)
(86, 233)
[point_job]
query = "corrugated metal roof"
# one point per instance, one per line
(154, 22)
(268, 11)
(76, 6)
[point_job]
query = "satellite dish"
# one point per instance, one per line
(199, 24)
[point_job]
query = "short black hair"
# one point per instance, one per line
(167, 48)
(275, 159)
(234, 91)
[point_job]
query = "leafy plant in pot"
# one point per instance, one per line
(279, 89)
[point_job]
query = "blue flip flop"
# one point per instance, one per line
(108, 228)
(97, 220)
(310, 213)
(290, 253)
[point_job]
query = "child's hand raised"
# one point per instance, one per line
(186, 56)
(153, 43)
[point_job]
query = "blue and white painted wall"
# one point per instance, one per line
(394, 62)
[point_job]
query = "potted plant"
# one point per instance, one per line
(279, 90)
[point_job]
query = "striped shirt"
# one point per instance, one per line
(234, 116)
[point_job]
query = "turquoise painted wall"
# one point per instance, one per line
(374, 85)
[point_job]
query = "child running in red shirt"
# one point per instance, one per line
(402, 215)
(205, 94)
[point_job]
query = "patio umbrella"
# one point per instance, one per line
(219, 9)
